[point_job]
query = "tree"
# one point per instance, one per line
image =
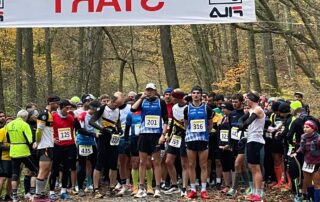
(29, 66)
(18, 70)
(168, 57)
(253, 62)
(2, 104)
(48, 44)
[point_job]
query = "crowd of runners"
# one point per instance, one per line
(177, 143)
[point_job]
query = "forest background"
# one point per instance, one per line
(276, 56)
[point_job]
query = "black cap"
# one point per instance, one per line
(53, 99)
(275, 106)
(94, 104)
(284, 108)
(64, 103)
(227, 105)
(196, 88)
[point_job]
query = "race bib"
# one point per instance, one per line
(137, 129)
(198, 125)
(85, 150)
(115, 140)
(64, 134)
(309, 168)
(235, 134)
(268, 135)
(224, 135)
(152, 121)
(175, 141)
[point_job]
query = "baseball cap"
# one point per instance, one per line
(151, 85)
(227, 105)
(299, 93)
(284, 108)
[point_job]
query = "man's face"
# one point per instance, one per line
(218, 103)
(104, 101)
(54, 106)
(65, 110)
(307, 129)
(167, 97)
(150, 92)
(196, 95)
(236, 104)
(2, 118)
(298, 97)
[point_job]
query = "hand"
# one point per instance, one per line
(271, 129)
(56, 141)
(162, 139)
(98, 135)
(35, 145)
(144, 95)
(293, 155)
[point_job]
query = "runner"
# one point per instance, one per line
(197, 121)
(20, 138)
(310, 147)
(44, 145)
(107, 121)
(176, 146)
(87, 150)
(64, 150)
(133, 124)
(255, 121)
(124, 151)
(5, 163)
(154, 121)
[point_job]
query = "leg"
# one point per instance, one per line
(170, 160)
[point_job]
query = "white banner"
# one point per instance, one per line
(81, 13)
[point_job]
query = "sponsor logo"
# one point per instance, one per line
(227, 12)
(230, 10)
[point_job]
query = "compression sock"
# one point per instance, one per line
(135, 177)
(149, 174)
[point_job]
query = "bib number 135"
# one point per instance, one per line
(64, 134)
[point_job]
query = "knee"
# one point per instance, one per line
(169, 162)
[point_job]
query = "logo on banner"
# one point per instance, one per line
(228, 11)
(1, 11)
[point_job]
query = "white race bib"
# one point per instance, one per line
(115, 140)
(198, 125)
(175, 141)
(152, 121)
(224, 135)
(235, 134)
(85, 150)
(309, 168)
(137, 129)
(64, 134)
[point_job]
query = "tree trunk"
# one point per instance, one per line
(235, 52)
(81, 61)
(168, 57)
(48, 44)
(206, 73)
(121, 73)
(2, 106)
(225, 45)
(31, 77)
(253, 61)
(269, 64)
(18, 69)
(97, 58)
(133, 66)
(290, 58)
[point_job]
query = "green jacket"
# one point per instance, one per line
(19, 135)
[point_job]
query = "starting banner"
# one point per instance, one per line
(82, 13)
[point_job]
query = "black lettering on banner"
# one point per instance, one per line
(1, 18)
(227, 12)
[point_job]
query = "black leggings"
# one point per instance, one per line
(81, 174)
(28, 162)
(65, 156)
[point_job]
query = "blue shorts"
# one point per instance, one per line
(121, 149)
